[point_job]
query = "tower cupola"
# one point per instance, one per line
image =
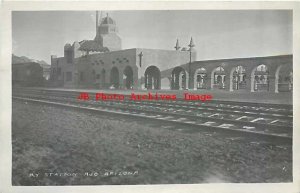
(107, 34)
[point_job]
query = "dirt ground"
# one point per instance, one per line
(56, 146)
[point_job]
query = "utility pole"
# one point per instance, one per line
(191, 45)
(97, 22)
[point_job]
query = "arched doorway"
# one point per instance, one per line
(94, 80)
(93, 75)
(283, 79)
(179, 78)
(218, 78)
(260, 79)
(114, 78)
(102, 76)
(128, 77)
(152, 78)
(200, 78)
(238, 78)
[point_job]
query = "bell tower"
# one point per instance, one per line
(106, 34)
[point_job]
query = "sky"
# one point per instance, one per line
(216, 34)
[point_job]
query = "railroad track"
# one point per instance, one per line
(279, 116)
(268, 121)
(233, 107)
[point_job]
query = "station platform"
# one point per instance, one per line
(285, 98)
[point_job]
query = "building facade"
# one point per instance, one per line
(101, 63)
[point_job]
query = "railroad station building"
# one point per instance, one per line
(102, 63)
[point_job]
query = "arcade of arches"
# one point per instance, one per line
(262, 76)
(116, 80)
(268, 74)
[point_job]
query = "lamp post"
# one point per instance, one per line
(191, 45)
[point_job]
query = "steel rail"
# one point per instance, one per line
(186, 119)
(205, 107)
(197, 112)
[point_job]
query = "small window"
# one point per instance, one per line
(98, 76)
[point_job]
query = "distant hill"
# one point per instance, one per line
(24, 59)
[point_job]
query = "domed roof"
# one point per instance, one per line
(108, 20)
(68, 45)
